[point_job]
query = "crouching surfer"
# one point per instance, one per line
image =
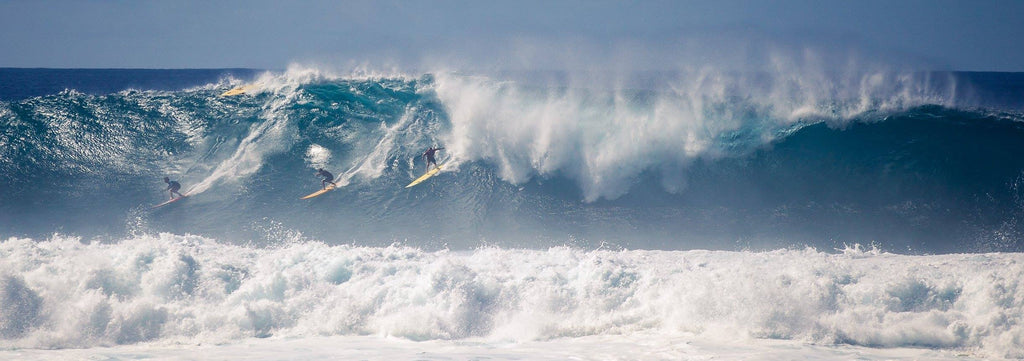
(173, 187)
(328, 178)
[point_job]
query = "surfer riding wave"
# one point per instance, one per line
(429, 156)
(173, 187)
(328, 178)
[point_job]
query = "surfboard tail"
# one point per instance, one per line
(425, 176)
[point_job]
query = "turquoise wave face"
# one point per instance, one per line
(709, 166)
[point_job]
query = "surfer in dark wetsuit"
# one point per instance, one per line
(328, 178)
(173, 186)
(429, 156)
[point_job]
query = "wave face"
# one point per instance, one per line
(62, 293)
(922, 162)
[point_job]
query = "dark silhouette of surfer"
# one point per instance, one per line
(173, 186)
(429, 156)
(328, 178)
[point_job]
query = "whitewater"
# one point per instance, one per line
(689, 215)
(186, 293)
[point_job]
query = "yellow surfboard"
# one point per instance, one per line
(236, 91)
(330, 187)
(425, 176)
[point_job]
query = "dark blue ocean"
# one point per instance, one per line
(22, 83)
(918, 163)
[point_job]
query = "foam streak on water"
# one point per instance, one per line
(167, 289)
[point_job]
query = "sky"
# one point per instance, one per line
(978, 35)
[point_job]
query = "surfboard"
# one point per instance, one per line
(239, 90)
(330, 187)
(170, 201)
(425, 176)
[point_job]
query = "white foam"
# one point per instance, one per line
(192, 290)
(317, 156)
(637, 347)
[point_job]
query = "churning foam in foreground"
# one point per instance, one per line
(62, 293)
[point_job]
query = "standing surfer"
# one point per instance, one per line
(328, 178)
(429, 156)
(173, 186)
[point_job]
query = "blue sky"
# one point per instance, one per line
(934, 35)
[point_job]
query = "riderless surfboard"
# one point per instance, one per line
(239, 90)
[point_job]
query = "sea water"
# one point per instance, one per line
(684, 215)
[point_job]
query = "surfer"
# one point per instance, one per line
(173, 186)
(429, 156)
(328, 178)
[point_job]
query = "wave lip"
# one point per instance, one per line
(169, 288)
(603, 138)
